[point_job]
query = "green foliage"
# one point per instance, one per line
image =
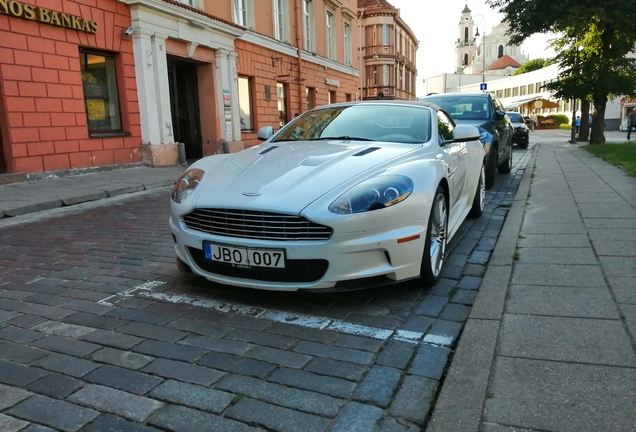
(559, 119)
(592, 39)
(533, 65)
(622, 155)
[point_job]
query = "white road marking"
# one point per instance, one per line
(116, 298)
(320, 323)
(309, 321)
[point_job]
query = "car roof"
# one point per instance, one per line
(454, 94)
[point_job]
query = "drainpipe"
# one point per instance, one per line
(298, 40)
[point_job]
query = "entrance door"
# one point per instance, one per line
(184, 105)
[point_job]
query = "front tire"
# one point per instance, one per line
(436, 238)
(506, 167)
(491, 166)
(480, 195)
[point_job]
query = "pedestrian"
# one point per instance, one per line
(631, 123)
(577, 124)
(533, 121)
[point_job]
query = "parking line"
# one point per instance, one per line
(145, 290)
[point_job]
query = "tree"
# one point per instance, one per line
(533, 65)
(594, 37)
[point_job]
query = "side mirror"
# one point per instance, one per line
(500, 114)
(265, 133)
(466, 133)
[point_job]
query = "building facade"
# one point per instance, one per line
(68, 93)
(495, 54)
(388, 52)
(212, 72)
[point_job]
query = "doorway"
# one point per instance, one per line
(184, 106)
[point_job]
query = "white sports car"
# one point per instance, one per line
(345, 196)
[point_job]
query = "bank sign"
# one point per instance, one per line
(46, 16)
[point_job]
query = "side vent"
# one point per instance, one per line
(269, 149)
(367, 151)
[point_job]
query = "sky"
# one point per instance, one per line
(435, 24)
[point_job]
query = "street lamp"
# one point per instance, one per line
(483, 51)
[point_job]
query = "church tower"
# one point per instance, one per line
(465, 46)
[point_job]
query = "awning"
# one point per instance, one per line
(529, 102)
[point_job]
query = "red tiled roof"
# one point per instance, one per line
(374, 4)
(200, 12)
(503, 63)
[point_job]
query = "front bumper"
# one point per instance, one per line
(310, 265)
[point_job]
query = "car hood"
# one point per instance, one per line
(288, 176)
(470, 122)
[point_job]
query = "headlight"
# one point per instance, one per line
(374, 194)
(186, 185)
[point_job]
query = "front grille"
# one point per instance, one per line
(255, 225)
(298, 271)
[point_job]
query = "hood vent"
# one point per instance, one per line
(367, 151)
(269, 149)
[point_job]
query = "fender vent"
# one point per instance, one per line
(366, 151)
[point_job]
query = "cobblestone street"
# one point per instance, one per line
(100, 331)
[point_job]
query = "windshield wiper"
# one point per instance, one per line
(343, 137)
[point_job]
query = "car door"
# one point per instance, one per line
(455, 162)
(506, 130)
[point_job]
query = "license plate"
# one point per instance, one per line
(248, 257)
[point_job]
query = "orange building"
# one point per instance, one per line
(68, 95)
(389, 52)
(210, 73)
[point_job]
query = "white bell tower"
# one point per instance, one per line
(465, 46)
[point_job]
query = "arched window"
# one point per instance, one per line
(500, 54)
(465, 34)
(465, 60)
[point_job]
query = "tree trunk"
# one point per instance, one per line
(584, 131)
(598, 123)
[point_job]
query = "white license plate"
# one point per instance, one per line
(249, 257)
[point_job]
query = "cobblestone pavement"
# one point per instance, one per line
(99, 331)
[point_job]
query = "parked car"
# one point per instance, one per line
(345, 196)
(487, 113)
(522, 133)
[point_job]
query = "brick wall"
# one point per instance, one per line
(256, 62)
(42, 113)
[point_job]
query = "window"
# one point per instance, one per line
(310, 96)
(240, 12)
(465, 60)
(280, 22)
(245, 103)
(375, 75)
(101, 98)
(465, 34)
(347, 43)
(530, 88)
(281, 94)
(385, 75)
(515, 91)
(445, 126)
(385, 34)
(331, 37)
(332, 97)
(308, 24)
(500, 52)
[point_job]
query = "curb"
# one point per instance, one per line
(6, 179)
(460, 402)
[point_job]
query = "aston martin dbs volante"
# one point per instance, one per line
(345, 196)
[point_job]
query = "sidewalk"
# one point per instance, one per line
(33, 196)
(550, 342)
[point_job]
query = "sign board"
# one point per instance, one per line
(483, 86)
(226, 98)
(46, 16)
(332, 82)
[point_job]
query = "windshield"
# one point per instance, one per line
(463, 107)
(381, 122)
(516, 118)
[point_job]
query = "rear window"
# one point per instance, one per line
(516, 118)
(463, 107)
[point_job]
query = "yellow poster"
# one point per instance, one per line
(96, 109)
